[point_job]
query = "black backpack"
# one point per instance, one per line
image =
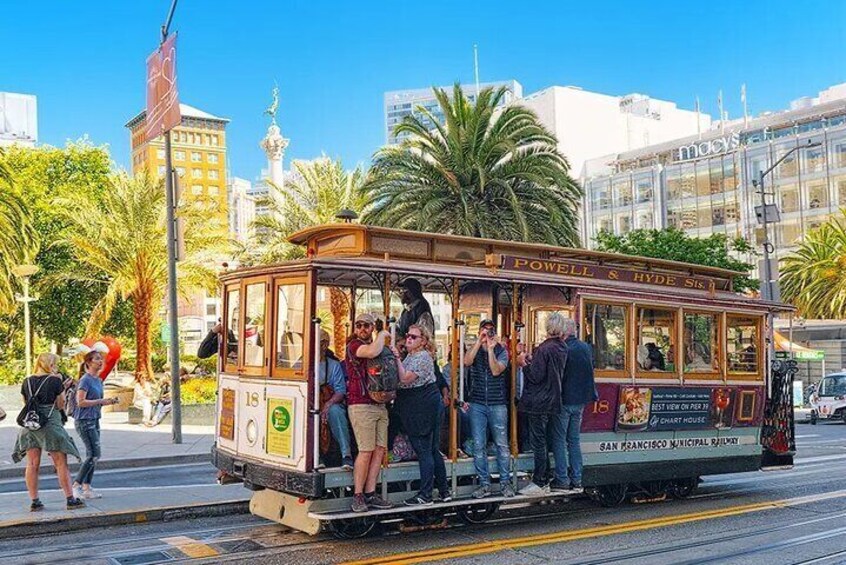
(382, 377)
(30, 418)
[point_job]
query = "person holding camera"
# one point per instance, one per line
(86, 420)
(488, 407)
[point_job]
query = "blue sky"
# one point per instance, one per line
(334, 60)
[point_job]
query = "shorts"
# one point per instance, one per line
(370, 425)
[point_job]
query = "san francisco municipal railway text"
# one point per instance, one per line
(658, 444)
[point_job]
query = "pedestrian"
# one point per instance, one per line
(420, 407)
(488, 408)
(86, 420)
(369, 419)
(578, 389)
(541, 401)
(333, 387)
(45, 386)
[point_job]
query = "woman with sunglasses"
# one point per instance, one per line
(419, 407)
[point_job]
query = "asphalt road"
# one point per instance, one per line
(782, 517)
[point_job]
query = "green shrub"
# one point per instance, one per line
(159, 363)
(199, 390)
(12, 372)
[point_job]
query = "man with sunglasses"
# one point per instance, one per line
(369, 420)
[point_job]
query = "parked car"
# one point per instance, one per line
(828, 402)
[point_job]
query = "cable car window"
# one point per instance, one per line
(539, 319)
(605, 330)
(656, 340)
(333, 308)
(233, 307)
(254, 335)
(701, 345)
(290, 325)
(742, 344)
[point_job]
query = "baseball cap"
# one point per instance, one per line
(324, 335)
(486, 322)
(366, 317)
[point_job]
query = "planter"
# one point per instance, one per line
(192, 415)
(124, 396)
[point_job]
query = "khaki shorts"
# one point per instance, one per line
(370, 425)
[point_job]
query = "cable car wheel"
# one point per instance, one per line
(428, 517)
(682, 488)
(352, 528)
(477, 514)
(610, 496)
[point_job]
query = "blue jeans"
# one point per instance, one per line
(549, 427)
(495, 418)
(89, 431)
(571, 426)
(340, 427)
(430, 460)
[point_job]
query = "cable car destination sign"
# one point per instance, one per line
(603, 273)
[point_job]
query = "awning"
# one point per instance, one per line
(783, 344)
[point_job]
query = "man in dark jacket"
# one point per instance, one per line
(416, 309)
(578, 389)
(541, 400)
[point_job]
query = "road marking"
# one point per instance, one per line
(191, 547)
(601, 531)
(804, 460)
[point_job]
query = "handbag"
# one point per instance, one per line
(30, 418)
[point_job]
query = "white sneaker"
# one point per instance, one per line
(90, 494)
(532, 489)
(77, 491)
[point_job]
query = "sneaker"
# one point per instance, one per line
(359, 504)
(75, 503)
(557, 487)
(377, 502)
(418, 500)
(77, 491)
(347, 463)
(446, 496)
(483, 491)
(576, 489)
(507, 490)
(36, 505)
(532, 489)
(90, 494)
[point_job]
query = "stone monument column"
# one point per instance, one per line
(274, 144)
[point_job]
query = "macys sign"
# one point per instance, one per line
(710, 147)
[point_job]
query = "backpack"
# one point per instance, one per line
(382, 377)
(30, 418)
(70, 399)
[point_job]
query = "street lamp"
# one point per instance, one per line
(24, 272)
(767, 213)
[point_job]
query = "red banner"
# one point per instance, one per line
(162, 96)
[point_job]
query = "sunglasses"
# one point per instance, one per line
(413, 337)
(363, 325)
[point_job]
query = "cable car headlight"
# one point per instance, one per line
(252, 431)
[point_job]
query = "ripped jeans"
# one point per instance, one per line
(492, 417)
(89, 431)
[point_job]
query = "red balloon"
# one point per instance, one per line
(110, 358)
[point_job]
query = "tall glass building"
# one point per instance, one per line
(402, 103)
(702, 184)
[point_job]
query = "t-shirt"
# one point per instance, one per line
(93, 388)
(356, 374)
(336, 375)
(422, 365)
(51, 389)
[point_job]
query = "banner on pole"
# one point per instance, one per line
(162, 95)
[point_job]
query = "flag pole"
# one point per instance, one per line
(722, 115)
(476, 68)
(698, 119)
(745, 107)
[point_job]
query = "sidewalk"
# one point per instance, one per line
(123, 445)
(119, 506)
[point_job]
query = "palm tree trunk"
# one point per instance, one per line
(340, 307)
(142, 312)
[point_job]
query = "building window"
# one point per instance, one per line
(160, 153)
(208, 139)
(196, 157)
(603, 197)
(817, 195)
(732, 217)
(215, 141)
(789, 167)
(644, 221)
(700, 343)
(185, 137)
(841, 191)
(605, 224)
(625, 223)
(789, 198)
(212, 158)
(703, 179)
(840, 155)
(814, 160)
(254, 324)
(605, 329)
(196, 189)
(211, 309)
(718, 216)
(213, 174)
(197, 173)
(644, 190)
(179, 155)
(214, 190)
(790, 232)
(180, 171)
(656, 334)
(688, 219)
(161, 170)
(715, 173)
(623, 192)
(290, 317)
(742, 344)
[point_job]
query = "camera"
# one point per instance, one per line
(491, 332)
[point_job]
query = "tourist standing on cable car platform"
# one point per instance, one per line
(488, 407)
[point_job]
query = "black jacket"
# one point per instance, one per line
(209, 346)
(542, 378)
(578, 387)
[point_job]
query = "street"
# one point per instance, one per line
(788, 517)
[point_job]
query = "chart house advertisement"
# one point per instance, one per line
(280, 427)
(660, 409)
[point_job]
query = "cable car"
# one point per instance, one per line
(682, 368)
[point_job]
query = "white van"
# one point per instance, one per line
(829, 400)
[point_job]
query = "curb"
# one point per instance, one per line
(27, 529)
(17, 472)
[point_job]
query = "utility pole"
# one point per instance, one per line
(24, 272)
(173, 304)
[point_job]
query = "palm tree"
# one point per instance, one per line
(813, 278)
(123, 235)
(18, 238)
(488, 172)
(320, 189)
